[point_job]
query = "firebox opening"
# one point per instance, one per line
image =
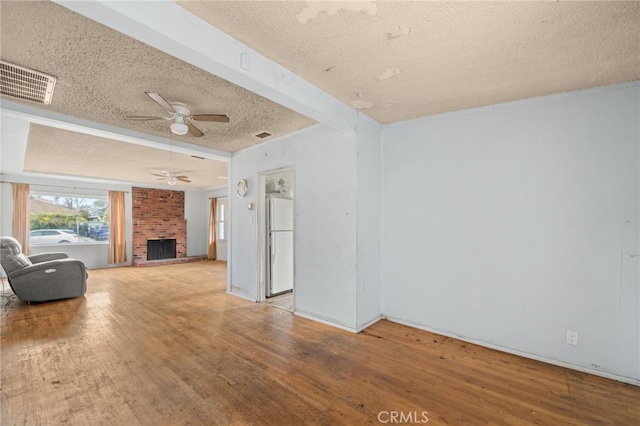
(161, 248)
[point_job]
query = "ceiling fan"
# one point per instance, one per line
(181, 117)
(172, 177)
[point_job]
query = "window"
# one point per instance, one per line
(221, 220)
(64, 219)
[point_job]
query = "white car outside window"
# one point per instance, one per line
(51, 236)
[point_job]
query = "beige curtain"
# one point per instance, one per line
(20, 223)
(117, 240)
(211, 251)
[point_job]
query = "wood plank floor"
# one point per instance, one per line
(166, 346)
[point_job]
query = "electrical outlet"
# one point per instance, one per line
(572, 337)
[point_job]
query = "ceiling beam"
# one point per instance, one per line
(14, 134)
(168, 27)
(29, 114)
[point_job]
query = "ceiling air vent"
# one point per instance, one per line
(263, 135)
(23, 83)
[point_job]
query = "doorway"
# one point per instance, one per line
(277, 230)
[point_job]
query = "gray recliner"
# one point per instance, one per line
(41, 277)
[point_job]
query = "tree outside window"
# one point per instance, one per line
(60, 219)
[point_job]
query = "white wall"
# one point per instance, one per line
(6, 208)
(196, 212)
(325, 164)
(369, 227)
(510, 224)
(93, 255)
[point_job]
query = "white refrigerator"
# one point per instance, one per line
(279, 245)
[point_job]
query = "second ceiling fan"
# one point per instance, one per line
(172, 177)
(182, 119)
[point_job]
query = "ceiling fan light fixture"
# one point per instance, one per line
(179, 129)
(172, 180)
(179, 114)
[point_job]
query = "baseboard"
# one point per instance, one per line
(241, 296)
(623, 379)
(312, 317)
(369, 323)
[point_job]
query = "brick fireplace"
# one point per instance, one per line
(158, 214)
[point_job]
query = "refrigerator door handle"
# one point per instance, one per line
(273, 248)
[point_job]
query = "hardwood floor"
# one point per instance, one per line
(166, 346)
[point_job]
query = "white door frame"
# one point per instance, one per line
(261, 218)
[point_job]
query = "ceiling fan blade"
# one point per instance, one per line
(162, 176)
(160, 101)
(183, 179)
(193, 130)
(218, 118)
(145, 117)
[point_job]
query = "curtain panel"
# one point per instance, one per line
(117, 225)
(20, 222)
(211, 249)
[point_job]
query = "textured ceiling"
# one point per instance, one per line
(62, 152)
(398, 60)
(103, 75)
(394, 60)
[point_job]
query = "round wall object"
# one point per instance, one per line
(241, 188)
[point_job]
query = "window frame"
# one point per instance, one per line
(222, 218)
(47, 194)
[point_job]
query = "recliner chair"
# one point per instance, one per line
(42, 277)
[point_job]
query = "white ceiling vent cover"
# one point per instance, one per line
(23, 83)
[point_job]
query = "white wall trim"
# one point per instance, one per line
(369, 323)
(241, 296)
(315, 318)
(629, 380)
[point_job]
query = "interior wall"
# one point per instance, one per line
(196, 212)
(369, 229)
(511, 224)
(325, 164)
(6, 204)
